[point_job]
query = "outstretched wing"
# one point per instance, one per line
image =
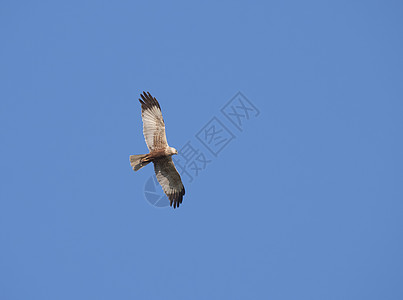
(169, 179)
(153, 123)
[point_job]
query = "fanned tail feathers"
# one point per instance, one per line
(139, 161)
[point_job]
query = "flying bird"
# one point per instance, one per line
(160, 152)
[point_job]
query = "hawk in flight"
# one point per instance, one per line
(160, 152)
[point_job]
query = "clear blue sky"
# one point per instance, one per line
(306, 202)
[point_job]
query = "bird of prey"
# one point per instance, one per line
(160, 152)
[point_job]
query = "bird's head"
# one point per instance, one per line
(172, 151)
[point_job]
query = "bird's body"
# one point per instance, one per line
(160, 152)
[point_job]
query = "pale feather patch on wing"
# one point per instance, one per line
(153, 123)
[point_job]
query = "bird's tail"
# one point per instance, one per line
(139, 161)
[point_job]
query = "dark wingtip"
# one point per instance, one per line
(148, 101)
(176, 198)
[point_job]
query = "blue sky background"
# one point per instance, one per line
(305, 203)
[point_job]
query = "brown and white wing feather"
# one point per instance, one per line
(153, 123)
(170, 180)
